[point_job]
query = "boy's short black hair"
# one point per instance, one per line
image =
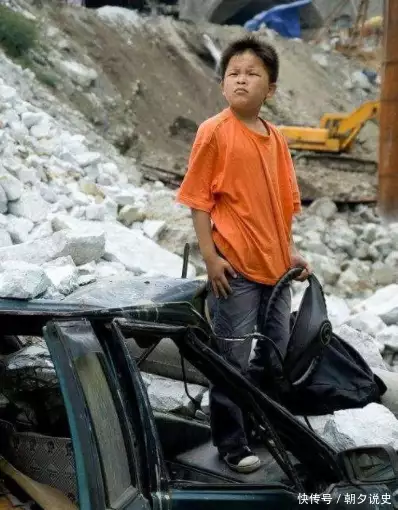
(263, 50)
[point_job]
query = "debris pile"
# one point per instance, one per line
(31, 390)
(47, 171)
(353, 252)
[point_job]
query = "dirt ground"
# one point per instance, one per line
(157, 82)
(158, 94)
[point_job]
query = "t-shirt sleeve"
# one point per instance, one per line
(196, 188)
(293, 179)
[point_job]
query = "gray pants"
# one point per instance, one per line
(232, 319)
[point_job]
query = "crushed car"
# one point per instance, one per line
(77, 429)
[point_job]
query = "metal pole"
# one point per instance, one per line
(388, 142)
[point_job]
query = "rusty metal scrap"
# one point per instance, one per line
(388, 147)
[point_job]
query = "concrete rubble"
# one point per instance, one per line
(168, 395)
(350, 428)
(43, 178)
(74, 210)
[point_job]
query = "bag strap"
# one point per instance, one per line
(315, 350)
(285, 280)
(312, 354)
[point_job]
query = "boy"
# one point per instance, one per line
(242, 190)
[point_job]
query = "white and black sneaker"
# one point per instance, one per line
(243, 461)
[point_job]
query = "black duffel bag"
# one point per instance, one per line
(320, 372)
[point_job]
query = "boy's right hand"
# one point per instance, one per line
(216, 267)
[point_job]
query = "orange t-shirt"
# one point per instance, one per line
(246, 181)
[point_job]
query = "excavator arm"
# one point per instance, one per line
(346, 127)
(336, 132)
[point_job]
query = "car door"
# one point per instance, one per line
(192, 496)
(107, 459)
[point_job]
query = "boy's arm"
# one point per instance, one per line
(215, 265)
(196, 192)
(296, 259)
(293, 178)
(202, 225)
(295, 188)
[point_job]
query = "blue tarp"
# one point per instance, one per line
(284, 19)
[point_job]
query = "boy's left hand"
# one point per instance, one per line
(298, 260)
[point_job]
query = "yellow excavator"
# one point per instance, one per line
(335, 136)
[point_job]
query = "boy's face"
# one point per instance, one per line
(246, 83)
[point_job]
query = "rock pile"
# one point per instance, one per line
(353, 253)
(47, 172)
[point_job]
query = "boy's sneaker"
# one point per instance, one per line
(243, 461)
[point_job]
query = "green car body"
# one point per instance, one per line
(120, 463)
